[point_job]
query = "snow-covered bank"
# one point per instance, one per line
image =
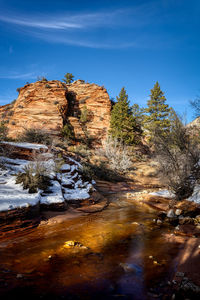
(12, 195)
(26, 145)
(65, 185)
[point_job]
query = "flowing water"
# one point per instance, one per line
(125, 254)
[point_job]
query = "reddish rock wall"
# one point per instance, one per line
(48, 104)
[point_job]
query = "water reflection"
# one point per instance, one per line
(116, 263)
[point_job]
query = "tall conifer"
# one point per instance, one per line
(158, 112)
(123, 124)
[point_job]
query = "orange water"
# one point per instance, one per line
(118, 263)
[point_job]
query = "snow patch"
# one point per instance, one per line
(196, 194)
(75, 162)
(16, 165)
(76, 194)
(12, 195)
(26, 145)
(55, 196)
(163, 193)
(67, 181)
(65, 167)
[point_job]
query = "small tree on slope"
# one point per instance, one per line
(69, 78)
(123, 124)
(157, 118)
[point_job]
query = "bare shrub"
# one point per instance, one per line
(36, 135)
(178, 155)
(117, 154)
(34, 177)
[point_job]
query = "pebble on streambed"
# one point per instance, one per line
(74, 244)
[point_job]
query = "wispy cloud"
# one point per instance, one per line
(122, 28)
(83, 42)
(19, 76)
(66, 21)
(74, 29)
(44, 24)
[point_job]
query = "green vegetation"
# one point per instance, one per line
(47, 86)
(138, 114)
(67, 132)
(123, 125)
(42, 78)
(84, 117)
(69, 78)
(34, 177)
(157, 118)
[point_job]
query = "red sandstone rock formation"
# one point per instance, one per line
(50, 104)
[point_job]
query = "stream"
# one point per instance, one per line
(120, 254)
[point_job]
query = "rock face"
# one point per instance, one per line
(98, 104)
(51, 104)
(39, 105)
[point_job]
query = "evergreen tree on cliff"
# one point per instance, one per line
(157, 119)
(69, 78)
(123, 124)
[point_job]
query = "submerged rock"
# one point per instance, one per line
(159, 222)
(74, 244)
(178, 212)
(128, 267)
(190, 287)
(171, 214)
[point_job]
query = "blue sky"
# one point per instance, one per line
(112, 43)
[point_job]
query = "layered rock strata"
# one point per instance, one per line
(50, 105)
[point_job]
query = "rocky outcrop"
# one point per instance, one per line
(98, 104)
(39, 105)
(22, 150)
(51, 104)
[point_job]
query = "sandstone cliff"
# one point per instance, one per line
(50, 104)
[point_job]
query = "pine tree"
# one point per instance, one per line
(68, 78)
(122, 124)
(157, 118)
